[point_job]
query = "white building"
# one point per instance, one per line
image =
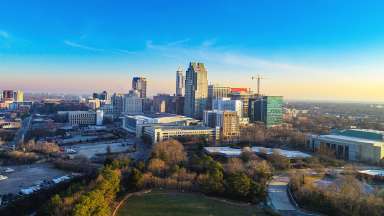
(136, 123)
(226, 104)
(132, 103)
(83, 117)
(160, 133)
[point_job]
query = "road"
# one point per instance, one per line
(20, 134)
(279, 199)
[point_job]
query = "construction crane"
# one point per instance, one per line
(258, 77)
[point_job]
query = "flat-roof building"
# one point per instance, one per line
(160, 133)
(136, 123)
(351, 144)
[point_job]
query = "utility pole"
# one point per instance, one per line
(258, 77)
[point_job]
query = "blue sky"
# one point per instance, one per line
(304, 48)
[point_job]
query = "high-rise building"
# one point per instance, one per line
(217, 92)
(243, 95)
(18, 96)
(140, 84)
(196, 90)
(161, 102)
(169, 104)
(132, 103)
(267, 109)
(117, 104)
(227, 121)
(13, 96)
(180, 81)
(8, 95)
(226, 104)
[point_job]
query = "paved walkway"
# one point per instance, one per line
(279, 198)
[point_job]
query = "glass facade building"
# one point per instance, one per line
(267, 109)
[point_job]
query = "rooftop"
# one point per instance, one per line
(236, 152)
(194, 127)
(362, 133)
(349, 138)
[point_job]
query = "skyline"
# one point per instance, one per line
(306, 50)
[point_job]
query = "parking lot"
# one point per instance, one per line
(89, 150)
(25, 176)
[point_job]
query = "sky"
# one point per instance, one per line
(305, 50)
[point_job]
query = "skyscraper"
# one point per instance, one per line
(267, 109)
(196, 90)
(217, 92)
(140, 84)
(179, 82)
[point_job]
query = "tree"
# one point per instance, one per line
(238, 184)
(259, 171)
(213, 182)
(234, 165)
(157, 167)
(135, 179)
(247, 154)
(278, 161)
(170, 151)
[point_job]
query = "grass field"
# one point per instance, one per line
(162, 203)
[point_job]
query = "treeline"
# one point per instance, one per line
(242, 179)
(257, 134)
(90, 198)
(169, 167)
(345, 197)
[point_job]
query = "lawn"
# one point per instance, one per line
(163, 203)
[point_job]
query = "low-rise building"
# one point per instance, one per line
(160, 133)
(136, 123)
(83, 117)
(351, 144)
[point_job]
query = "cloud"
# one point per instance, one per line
(124, 51)
(4, 34)
(81, 46)
(208, 51)
(173, 44)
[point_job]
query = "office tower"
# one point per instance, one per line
(180, 81)
(18, 96)
(216, 92)
(226, 104)
(104, 97)
(161, 102)
(132, 103)
(177, 105)
(169, 104)
(140, 84)
(117, 104)
(196, 90)
(243, 95)
(227, 121)
(267, 109)
(8, 95)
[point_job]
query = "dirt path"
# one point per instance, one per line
(128, 196)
